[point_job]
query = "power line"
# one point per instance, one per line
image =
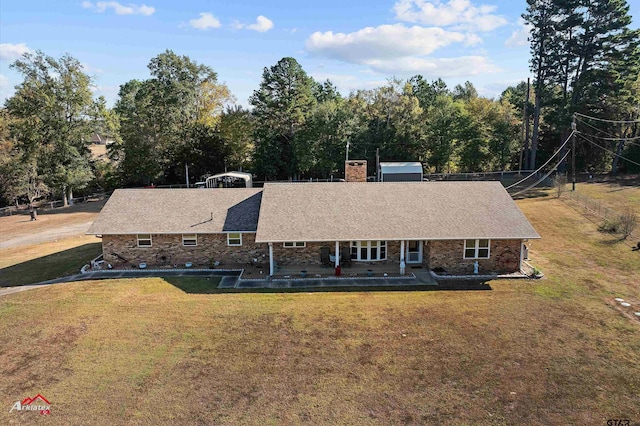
(605, 120)
(543, 177)
(615, 139)
(612, 138)
(595, 128)
(608, 150)
(547, 162)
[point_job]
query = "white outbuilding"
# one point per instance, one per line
(401, 171)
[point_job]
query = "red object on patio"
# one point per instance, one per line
(338, 271)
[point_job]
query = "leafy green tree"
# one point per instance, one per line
(465, 93)
(521, 101)
(237, 127)
(540, 15)
(584, 53)
(441, 132)
(330, 126)
(473, 134)
(282, 105)
(52, 107)
(159, 115)
(392, 121)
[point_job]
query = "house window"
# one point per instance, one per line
(368, 250)
(144, 240)
(292, 244)
(476, 249)
(234, 239)
(189, 240)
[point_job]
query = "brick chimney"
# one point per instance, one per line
(355, 171)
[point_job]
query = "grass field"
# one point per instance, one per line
(617, 194)
(149, 351)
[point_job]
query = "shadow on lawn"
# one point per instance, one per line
(195, 285)
(56, 265)
(532, 193)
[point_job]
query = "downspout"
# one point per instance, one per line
(271, 265)
(402, 264)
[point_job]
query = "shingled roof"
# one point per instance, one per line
(389, 211)
(179, 211)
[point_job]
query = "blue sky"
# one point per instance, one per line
(356, 43)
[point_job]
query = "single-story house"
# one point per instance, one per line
(448, 225)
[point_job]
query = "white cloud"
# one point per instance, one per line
(383, 42)
(494, 90)
(519, 37)
(460, 14)
(262, 24)
(436, 67)
(119, 9)
(90, 69)
(10, 52)
(472, 39)
(400, 50)
(205, 21)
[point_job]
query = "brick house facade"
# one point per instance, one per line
(168, 250)
(213, 250)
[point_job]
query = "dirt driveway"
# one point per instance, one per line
(19, 230)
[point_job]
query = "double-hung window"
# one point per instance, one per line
(294, 244)
(234, 239)
(189, 240)
(368, 250)
(476, 249)
(144, 240)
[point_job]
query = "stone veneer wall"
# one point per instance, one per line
(167, 249)
(504, 257)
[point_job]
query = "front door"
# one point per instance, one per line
(414, 252)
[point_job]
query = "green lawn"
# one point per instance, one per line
(615, 193)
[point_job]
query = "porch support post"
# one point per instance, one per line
(337, 253)
(402, 264)
(271, 266)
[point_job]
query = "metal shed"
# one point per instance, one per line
(401, 171)
(212, 181)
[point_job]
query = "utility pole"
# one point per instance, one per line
(526, 130)
(573, 152)
(186, 172)
(347, 156)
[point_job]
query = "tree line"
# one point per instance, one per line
(584, 58)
